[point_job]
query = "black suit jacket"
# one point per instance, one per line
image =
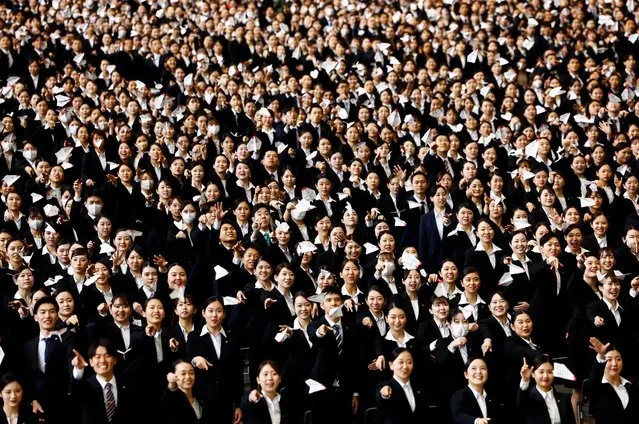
(221, 384)
(465, 409)
(257, 413)
(488, 274)
(396, 409)
(88, 394)
(431, 245)
(533, 410)
(328, 363)
(49, 388)
(176, 409)
(606, 405)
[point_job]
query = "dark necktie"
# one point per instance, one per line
(109, 401)
(339, 341)
(49, 345)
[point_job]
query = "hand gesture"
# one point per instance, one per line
(269, 302)
(386, 392)
(103, 308)
(255, 396)
(526, 372)
(174, 344)
(597, 346)
(172, 380)
(112, 179)
(201, 363)
(78, 361)
(138, 308)
(635, 283)
(159, 261)
(487, 346)
(77, 188)
(367, 322)
(599, 321)
(151, 330)
(36, 408)
(324, 329)
(240, 296)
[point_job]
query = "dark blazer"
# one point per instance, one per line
(533, 410)
(222, 384)
(465, 409)
(328, 363)
(50, 388)
(257, 413)
(396, 409)
(610, 332)
(177, 409)
(431, 245)
(488, 274)
(88, 394)
(606, 405)
(24, 416)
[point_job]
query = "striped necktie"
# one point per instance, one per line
(339, 341)
(110, 401)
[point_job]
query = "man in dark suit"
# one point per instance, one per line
(103, 398)
(47, 364)
(336, 344)
(433, 229)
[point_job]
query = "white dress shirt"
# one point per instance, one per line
(614, 310)
(126, 334)
(273, 408)
(491, 255)
(408, 391)
(114, 388)
(157, 339)
(481, 401)
(403, 343)
(621, 390)
(216, 339)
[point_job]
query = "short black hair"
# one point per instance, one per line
(107, 344)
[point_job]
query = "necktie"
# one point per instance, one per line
(447, 166)
(49, 343)
(268, 239)
(109, 401)
(338, 339)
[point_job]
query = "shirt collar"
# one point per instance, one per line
(402, 385)
(546, 395)
(103, 382)
(205, 329)
(463, 300)
(477, 394)
(346, 293)
(604, 380)
(480, 248)
(407, 337)
(610, 307)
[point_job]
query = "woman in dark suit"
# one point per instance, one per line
(394, 403)
(255, 404)
(215, 353)
(11, 394)
(518, 346)
(472, 404)
(486, 257)
(413, 300)
(608, 405)
(179, 403)
(540, 404)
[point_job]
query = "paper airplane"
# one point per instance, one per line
(220, 272)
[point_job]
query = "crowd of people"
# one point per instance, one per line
(320, 212)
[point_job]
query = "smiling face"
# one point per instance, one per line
(402, 366)
(103, 362)
(268, 379)
(544, 376)
(523, 326)
(185, 376)
(477, 373)
(46, 316)
(610, 289)
(214, 315)
(498, 305)
(154, 312)
(614, 365)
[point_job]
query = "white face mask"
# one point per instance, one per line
(215, 129)
(94, 209)
(523, 221)
(188, 217)
(73, 130)
(537, 83)
(35, 224)
(30, 154)
(146, 185)
(458, 330)
(7, 146)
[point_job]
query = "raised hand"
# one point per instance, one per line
(78, 361)
(525, 372)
